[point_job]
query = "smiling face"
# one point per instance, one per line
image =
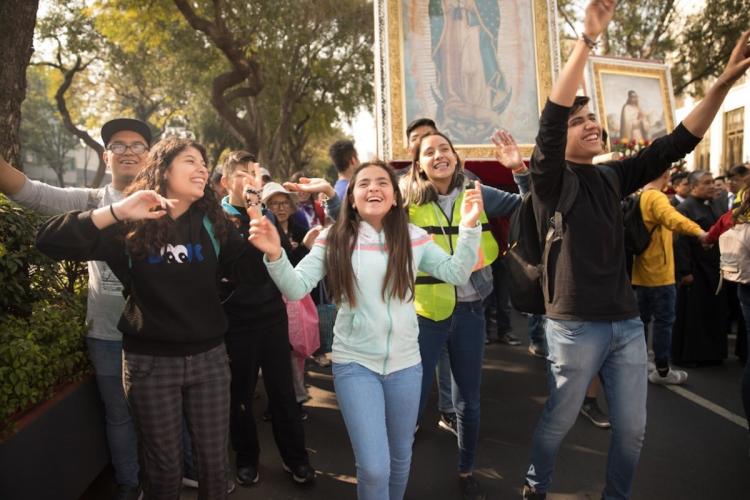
(187, 176)
(372, 195)
(125, 167)
(584, 137)
(437, 160)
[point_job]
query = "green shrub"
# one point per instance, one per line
(42, 317)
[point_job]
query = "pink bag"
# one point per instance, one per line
(303, 325)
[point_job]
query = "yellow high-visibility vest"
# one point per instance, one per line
(436, 299)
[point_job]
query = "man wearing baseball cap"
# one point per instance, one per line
(126, 142)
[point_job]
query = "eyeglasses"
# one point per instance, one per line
(119, 149)
(279, 204)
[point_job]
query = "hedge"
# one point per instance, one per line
(42, 318)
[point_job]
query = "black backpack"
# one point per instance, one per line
(637, 237)
(528, 257)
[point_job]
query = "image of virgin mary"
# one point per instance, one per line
(470, 90)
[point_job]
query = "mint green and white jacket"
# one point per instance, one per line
(380, 335)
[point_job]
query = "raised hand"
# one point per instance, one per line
(598, 15)
(739, 60)
(311, 185)
(473, 205)
(265, 237)
(142, 205)
(311, 236)
(506, 150)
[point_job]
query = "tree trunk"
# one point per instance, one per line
(17, 20)
(62, 107)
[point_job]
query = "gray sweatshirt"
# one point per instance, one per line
(105, 300)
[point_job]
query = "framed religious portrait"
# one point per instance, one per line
(472, 66)
(633, 99)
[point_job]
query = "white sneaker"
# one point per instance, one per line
(673, 377)
(651, 366)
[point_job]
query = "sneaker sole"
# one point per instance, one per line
(296, 478)
(447, 428)
(601, 425)
(190, 483)
(244, 483)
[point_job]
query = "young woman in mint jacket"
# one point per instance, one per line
(451, 315)
(370, 256)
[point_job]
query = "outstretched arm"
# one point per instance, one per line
(598, 14)
(700, 118)
(11, 179)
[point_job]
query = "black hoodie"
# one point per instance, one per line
(172, 306)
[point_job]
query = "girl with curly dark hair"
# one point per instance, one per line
(167, 241)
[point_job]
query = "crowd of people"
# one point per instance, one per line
(191, 274)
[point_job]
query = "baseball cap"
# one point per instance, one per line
(119, 124)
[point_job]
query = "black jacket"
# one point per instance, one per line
(173, 306)
(589, 274)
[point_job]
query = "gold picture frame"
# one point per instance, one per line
(633, 95)
(398, 84)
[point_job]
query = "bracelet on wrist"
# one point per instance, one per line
(112, 211)
(590, 42)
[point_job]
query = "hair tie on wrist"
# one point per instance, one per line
(112, 211)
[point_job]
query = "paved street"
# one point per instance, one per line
(690, 452)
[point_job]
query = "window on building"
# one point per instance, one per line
(733, 135)
(702, 153)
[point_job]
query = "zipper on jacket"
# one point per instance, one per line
(388, 309)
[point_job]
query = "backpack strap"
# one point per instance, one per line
(568, 195)
(210, 229)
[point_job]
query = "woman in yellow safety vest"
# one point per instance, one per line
(449, 315)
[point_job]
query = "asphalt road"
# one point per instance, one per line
(690, 452)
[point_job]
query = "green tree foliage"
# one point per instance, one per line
(279, 74)
(42, 130)
(708, 40)
(68, 27)
(696, 45)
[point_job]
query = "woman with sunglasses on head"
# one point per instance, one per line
(370, 257)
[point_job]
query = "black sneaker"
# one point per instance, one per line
(508, 339)
(248, 475)
(595, 415)
(301, 474)
(471, 489)
(449, 422)
(530, 494)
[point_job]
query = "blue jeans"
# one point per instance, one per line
(578, 350)
(445, 383)
(658, 302)
(463, 333)
(536, 330)
(743, 292)
(380, 413)
(106, 356)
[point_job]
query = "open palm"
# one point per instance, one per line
(506, 150)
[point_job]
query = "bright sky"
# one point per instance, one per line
(362, 128)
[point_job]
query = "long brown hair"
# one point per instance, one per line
(342, 241)
(146, 237)
(417, 188)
